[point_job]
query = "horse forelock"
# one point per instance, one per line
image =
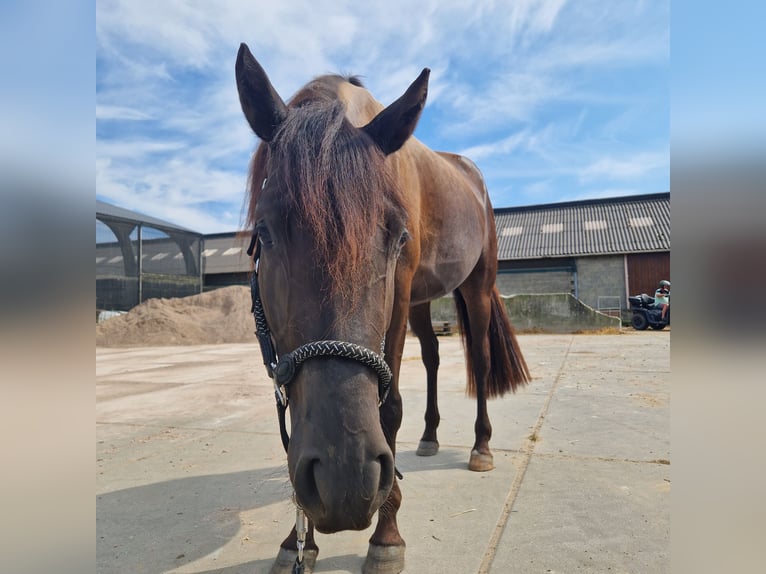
(332, 181)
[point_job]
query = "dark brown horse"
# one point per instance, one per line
(360, 226)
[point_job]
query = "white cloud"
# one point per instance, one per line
(630, 167)
(531, 17)
(501, 147)
(538, 188)
(119, 113)
(511, 98)
(178, 191)
(499, 71)
(136, 149)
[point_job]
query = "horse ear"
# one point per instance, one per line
(395, 124)
(261, 104)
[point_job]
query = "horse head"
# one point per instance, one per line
(332, 226)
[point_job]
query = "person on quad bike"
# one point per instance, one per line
(662, 297)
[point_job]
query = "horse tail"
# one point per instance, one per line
(507, 369)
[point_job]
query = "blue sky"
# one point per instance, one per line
(555, 100)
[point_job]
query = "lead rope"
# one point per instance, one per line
(301, 528)
(270, 361)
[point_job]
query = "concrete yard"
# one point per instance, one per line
(192, 477)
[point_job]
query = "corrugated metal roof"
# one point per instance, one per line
(633, 224)
(226, 253)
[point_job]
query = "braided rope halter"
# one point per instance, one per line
(282, 370)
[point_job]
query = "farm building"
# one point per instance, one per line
(226, 260)
(140, 257)
(599, 250)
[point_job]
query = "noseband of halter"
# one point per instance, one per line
(282, 370)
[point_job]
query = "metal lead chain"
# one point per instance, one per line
(300, 530)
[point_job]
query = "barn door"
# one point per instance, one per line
(645, 270)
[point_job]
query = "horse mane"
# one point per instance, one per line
(332, 179)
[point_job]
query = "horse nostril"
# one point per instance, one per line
(386, 462)
(306, 490)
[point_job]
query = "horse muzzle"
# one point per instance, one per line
(339, 491)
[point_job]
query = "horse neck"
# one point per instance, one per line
(361, 107)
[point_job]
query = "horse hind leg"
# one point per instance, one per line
(473, 319)
(495, 362)
(420, 321)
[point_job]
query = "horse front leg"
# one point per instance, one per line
(288, 552)
(385, 554)
(420, 321)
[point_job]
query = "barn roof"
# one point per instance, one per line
(113, 212)
(617, 225)
(226, 253)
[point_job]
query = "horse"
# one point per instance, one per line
(356, 226)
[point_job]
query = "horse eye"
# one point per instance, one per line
(263, 234)
(405, 237)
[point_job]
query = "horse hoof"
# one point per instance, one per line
(286, 561)
(384, 560)
(480, 462)
(427, 448)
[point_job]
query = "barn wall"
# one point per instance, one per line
(601, 277)
(531, 282)
(547, 312)
(588, 278)
(532, 276)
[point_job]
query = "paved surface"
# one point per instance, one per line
(191, 476)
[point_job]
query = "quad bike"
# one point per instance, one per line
(645, 314)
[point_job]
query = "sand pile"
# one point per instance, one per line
(219, 316)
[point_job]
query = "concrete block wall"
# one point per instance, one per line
(555, 313)
(601, 276)
(549, 312)
(534, 282)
